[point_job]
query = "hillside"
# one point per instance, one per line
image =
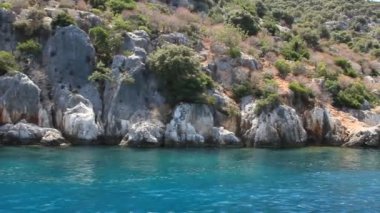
(270, 73)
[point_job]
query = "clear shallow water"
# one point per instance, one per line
(111, 179)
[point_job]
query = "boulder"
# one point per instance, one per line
(7, 34)
(367, 137)
(322, 128)
(19, 99)
(223, 137)
(191, 124)
(278, 128)
(144, 134)
(24, 133)
(79, 124)
(173, 38)
(137, 42)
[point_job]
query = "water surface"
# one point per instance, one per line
(112, 179)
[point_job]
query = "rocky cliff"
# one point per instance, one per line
(132, 108)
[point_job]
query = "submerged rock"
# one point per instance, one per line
(24, 133)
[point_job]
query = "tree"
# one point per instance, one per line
(179, 71)
(245, 21)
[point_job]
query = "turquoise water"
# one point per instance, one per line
(112, 179)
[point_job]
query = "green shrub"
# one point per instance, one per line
(5, 5)
(261, 9)
(324, 32)
(101, 73)
(7, 63)
(376, 53)
(332, 86)
(117, 6)
(98, 4)
(105, 43)
(241, 90)
(271, 26)
(322, 71)
(342, 37)
(346, 67)
(62, 20)
(298, 68)
(300, 90)
(311, 37)
(295, 49)
(267, 103)
(354, 96)
(180, 72)
(284, 16)
(245, 21)
(283, 67)
(234, 52)
(29, 47)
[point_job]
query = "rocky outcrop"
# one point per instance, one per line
(70, 60)
(7, 34)
(230, 71)
(322, 128)
(138, 42)
(19, 99)
(223, 137)
(368, 137)
(145, 134)
(80, 125)
(24, 133)
(366, 116)
(278, 128)
(132, 97)
(194, 125)
(191, 125)
(173, 38)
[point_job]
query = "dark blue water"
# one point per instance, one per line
(104, 179)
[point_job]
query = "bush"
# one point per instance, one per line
(267, 103)
(101, 73)
(301, 91)
(241, 90)
(261, 9)
(245, 21)
(180, 72)
(117, 6)
(283, 67)
(271, 26)
(100, 39)
(354, 96)
(29, 47)
(346, 67)
(32, 24)
(342, 37)
(299, 68)
(98, 4)
(7, 62)
(322, 71)
(324, 32)
(234, 52)
(62, 20)
(284, 16)
(295, 49)
(5, 5)
(311, 37)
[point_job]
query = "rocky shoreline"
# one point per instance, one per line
(55, 104)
